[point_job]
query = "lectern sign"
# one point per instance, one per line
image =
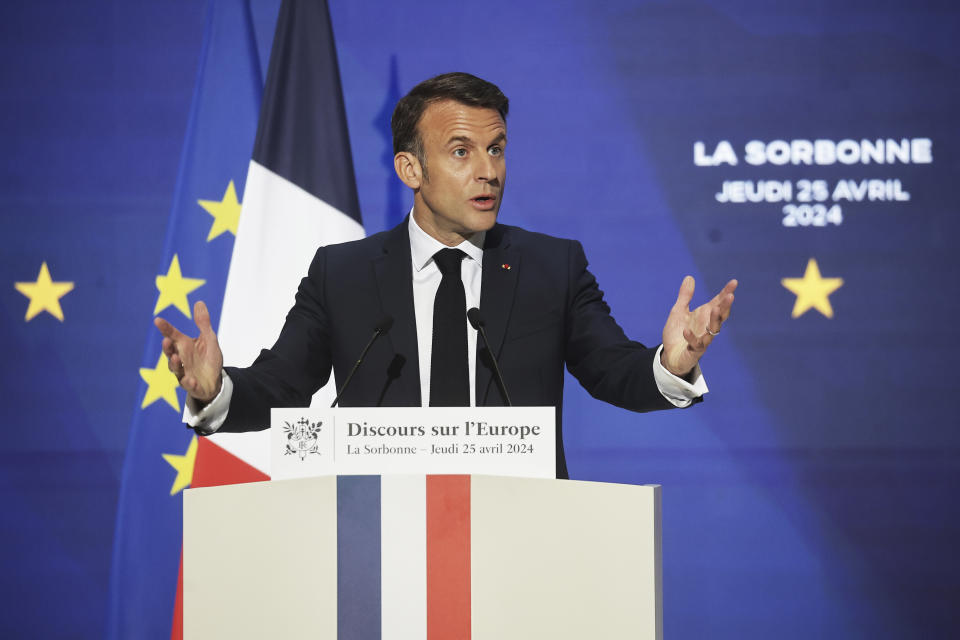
(512, 441)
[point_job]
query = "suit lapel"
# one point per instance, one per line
(395, 287)
(501, 265)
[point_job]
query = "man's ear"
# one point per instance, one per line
(408, 169)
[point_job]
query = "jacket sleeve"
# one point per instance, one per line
(610, 366)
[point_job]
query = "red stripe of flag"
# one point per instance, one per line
(448, 557)
(176, 632)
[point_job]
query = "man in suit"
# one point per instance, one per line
(541, 306)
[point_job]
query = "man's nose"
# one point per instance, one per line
(485, 169)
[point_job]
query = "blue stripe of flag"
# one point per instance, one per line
(358, 557)
(302, 118)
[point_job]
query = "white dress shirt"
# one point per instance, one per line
(426, 279)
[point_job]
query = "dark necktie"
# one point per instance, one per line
(449, 378)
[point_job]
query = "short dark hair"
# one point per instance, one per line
(460, 87)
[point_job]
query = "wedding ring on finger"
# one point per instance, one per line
(711, 332)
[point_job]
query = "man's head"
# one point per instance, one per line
(455, 124)
(460, 87)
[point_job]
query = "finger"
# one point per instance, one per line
(167, 346)
(167, 329)
(175, 364)
(686, 293)
(725, 308)
(722, 307)
(715, 321)
(202, 316)
(727, 290)
(718, 313)
(724, 299)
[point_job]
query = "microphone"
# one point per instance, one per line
(379, 329)
(473, 315)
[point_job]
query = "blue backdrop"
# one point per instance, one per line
(812, 494)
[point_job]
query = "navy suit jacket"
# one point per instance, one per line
(541, 306)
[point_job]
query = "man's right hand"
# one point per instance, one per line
(197, 362)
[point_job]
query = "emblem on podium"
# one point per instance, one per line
(302, 438)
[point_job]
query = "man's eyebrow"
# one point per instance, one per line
(467, 140)
(502, 137)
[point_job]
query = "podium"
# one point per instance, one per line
(444, 557)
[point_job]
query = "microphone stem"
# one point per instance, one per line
(496, 367)
(363, 354)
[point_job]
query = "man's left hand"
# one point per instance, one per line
(687, 334)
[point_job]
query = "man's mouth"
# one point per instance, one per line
(484, 202)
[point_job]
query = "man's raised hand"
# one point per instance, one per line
(196, 362)
(687, 334)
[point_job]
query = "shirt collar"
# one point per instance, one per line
(423, 246)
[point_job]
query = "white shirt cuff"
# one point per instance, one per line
(676, 390)
(207, 419)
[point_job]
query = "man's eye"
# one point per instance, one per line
(460, 153)
(495, 151)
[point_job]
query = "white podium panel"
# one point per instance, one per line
(398, 557)
(577, 561)
(260, 561)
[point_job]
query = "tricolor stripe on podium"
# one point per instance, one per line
(414, 583)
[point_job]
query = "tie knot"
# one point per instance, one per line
(448, 261)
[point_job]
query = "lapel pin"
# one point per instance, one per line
(505, 266)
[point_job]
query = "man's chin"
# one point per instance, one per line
(464, 223)
(480, 221)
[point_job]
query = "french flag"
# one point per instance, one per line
(300, 194)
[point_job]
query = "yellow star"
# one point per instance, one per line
(44, 294)
(812, 291)
(161, 383)
(184, 466)
(226, 212)
(174, 288)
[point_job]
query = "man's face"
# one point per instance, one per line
(460, 192)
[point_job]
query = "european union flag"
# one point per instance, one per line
(299, 193)
(161, 454)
